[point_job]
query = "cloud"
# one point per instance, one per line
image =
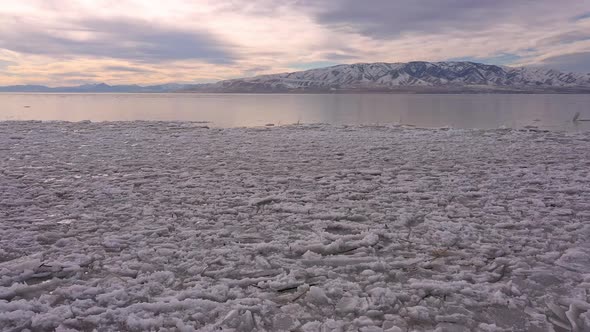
(118, 38)
(581, 17)
(148, 42)
(128, 69)
(253, 71)
(312, 65)
(575, 62)
(565, 38)
(339, 56)
(384, 19)
(500, 59)
(4, 64)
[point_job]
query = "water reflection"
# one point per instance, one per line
(230, 110)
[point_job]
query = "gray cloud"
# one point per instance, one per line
(127, 69)
(116, 38)
(384, 19)
(565, 38)
(574, 62)
(253, 71)
(339, 56)
(581, 17)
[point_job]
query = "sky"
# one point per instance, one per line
(70, 42)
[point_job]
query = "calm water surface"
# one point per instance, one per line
(234, 110)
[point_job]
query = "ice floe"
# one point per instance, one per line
(166, 226)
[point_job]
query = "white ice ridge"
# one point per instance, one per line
(146, 226)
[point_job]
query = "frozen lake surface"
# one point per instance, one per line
(143, 226)
(490, 111)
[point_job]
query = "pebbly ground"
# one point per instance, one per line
(139, 226)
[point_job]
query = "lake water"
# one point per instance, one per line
(553, 112)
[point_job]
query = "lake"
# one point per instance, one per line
(550, 111)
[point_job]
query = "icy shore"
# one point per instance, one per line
(169, 226)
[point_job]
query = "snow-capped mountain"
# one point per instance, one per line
(399, 76)
(416, 76)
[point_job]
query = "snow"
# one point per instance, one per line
(380, 75)
(175, 227)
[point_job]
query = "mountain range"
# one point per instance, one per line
(101, 88)
(413, 77)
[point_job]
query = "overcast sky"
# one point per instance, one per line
(67, 42)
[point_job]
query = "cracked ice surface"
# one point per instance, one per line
(168, 226)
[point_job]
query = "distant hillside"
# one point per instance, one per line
(413, 77)
(102, 88)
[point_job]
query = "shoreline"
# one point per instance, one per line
(325, 126)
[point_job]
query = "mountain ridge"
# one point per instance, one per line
(99, 88)
(430, 76)
(398, 77)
